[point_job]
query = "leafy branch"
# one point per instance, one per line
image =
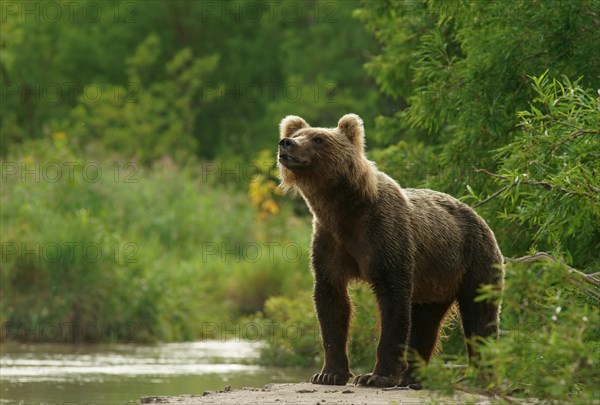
(575, 277)
(517, 180)
(578, 132)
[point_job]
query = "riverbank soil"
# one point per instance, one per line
(310, 394)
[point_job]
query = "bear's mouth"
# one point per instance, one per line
(289, 160)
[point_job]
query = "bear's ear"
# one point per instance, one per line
(352, 126)
(291, 124)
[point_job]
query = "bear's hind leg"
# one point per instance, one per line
(426, 320)
(483, 266)
(479, 320)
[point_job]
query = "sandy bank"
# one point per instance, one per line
(306, 393)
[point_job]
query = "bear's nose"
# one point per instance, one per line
(286, 142)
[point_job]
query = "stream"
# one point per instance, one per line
(122, 373)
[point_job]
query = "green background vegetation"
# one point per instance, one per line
(139, 189)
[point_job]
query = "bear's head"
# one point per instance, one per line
(310, 158)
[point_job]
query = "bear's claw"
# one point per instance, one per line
(330, 378)
(375, 380)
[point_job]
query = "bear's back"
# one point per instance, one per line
(446, 234)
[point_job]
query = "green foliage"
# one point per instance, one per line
(127, 119)
(208, 78)
(465, 103)
(551, 348)
(364, 329)
(551, 171)
(293, 335)
(458, 71)
(322, 53)
(152, 88)
(120, 246)
(162, 84)
(409, 164)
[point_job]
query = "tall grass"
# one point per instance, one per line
(114, 251)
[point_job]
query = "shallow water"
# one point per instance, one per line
(117, 374)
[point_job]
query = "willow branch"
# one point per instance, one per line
(576, 277)
(496, 194)
(580, 131)
(545, 185)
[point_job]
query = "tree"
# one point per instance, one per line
(147, 119)
(525, 155)
(469, 65)
(548, 176)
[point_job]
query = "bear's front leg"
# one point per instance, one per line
(333, 311)
(394, 306)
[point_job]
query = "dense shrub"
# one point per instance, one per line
(158, 251)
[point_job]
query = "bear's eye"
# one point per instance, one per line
(318, 139)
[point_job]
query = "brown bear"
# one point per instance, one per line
(420, 251)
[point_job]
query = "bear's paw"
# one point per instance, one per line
(376, 380)
(331, 378)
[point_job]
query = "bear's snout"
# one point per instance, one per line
(286, 143)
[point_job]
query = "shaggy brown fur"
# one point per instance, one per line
(420, 250)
